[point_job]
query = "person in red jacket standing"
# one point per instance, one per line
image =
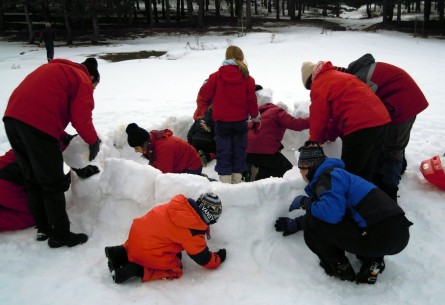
(404, 100)
(264, 145)
(39, 109)
(156, 240)
(231, 91)
(343, 106)
(164, 151)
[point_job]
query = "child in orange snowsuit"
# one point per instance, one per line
(156, 240)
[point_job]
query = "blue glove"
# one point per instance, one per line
(288, 225)
(297, 202)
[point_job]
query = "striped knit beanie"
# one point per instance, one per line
(210, 207)
(310, 156)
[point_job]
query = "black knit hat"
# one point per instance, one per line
(310, 156)
(210, 207)
(91, 64)
(137, 136)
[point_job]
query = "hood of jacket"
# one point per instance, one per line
(231, 74)
(184, 215)
(328, 163)
(364, 61)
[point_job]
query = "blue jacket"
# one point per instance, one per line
(337, 193)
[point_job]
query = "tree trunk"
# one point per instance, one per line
(440, 10)
(148, 12)
(178, 11)
(94, 19)
(248, 15)
(399, 12)
(66, 17)
(155, 12)
(218, 8)
(190, 11)
(200, 13)
(167, 11)
(426, 12)
(385, 12)
(32, 36)
(277, 9)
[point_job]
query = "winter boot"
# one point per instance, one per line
(126, 272)
(42, 235)
(343, 270)
(236, 178)
(225, 178)
(117, 257)
(254, 172)
(70, 240)
(370, 269)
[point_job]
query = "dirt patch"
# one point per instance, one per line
(116, 57)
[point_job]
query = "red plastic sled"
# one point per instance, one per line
(433, 172)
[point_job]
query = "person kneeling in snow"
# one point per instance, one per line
(344, 212)
(14, 209)
(166, 152)
(153, 248)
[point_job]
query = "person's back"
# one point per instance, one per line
(201, 135)
(54, 88)
(393, 85)
(274, 122)
(172, 154)
(346, 100)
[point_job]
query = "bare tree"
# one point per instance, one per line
(94, 19)
(32, 36)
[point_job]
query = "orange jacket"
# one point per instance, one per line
(156, 238)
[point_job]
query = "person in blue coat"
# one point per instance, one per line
(345, 213)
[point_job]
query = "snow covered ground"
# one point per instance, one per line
(262, 266)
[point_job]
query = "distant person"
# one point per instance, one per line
(164, 151)
(39, 109)
(14, 210)
(48, 36)
(201, 136)
(156, 240)
(404, 100)
(343, 106)
(264, 144)
(345, 213)
(231, 91)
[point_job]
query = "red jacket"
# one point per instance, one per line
(156, 238)
(54, 95)
(232, 95)
(341, 103)
(14, 211)
(393, 85)
(171, 154)
(274, 122)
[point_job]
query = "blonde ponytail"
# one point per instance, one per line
(235, 53)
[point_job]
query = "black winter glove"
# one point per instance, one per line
(87, 171)
(94, 149)
(222, 254)
(287, 225)
(66, 141)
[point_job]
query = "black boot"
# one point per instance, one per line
(342, 269)
(371, 267)
(70, 240)
(126, 272)
(117, 257)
